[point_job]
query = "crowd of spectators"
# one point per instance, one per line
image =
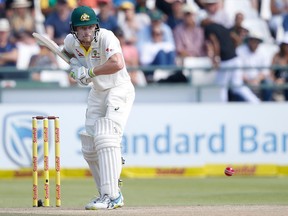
(248, 37)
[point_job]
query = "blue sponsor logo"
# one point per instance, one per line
(249, 139)
(17, 137)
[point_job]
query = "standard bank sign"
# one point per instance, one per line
(17, 138)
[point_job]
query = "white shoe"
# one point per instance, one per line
(90, 205)
(106, 203)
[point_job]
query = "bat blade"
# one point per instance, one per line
(51, 45)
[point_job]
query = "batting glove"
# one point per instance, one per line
(79, 73)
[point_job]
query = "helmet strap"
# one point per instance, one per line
(74, 33)
(96, 33)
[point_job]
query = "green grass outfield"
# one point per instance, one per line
(157, 192)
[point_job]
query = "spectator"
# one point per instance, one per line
(45, 58)
(27, 47)
(22, 18)
(157, 52)
(278, 10)
(253, 56)
(216, 12)
(8, 50)
(106, 15)
(57, 23)
(48, 66)
(141, 7)
(2, 9)
(131, 22)
(131, 57)
(189, 38)
(280, 75)
(224, 58)
(89, 3)
(177, 15)
(238, 32)
(118, 3)
(145, 37)
(165, 6)
(48, 6)
(144, 34)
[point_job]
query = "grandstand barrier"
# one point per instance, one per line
(199, 88)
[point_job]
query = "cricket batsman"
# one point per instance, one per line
(97, 61)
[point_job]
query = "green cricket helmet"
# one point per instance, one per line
(83, 16)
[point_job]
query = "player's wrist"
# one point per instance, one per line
(91, 72)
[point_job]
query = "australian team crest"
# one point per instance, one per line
(85, 17)
(17, 138)
(95, 54)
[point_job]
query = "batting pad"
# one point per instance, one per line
(107, 143)
(107, 134)
(90, 155)
(110, 165)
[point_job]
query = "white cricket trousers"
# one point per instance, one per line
(233, 76)
(114, 104)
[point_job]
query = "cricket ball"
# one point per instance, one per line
(229, 171)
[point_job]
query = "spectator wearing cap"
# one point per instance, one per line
(106, 15)
(253, 57)
(131, 22)
(189, 38)
(118, 3)
(22, 17)
(157, 52)
(280, 73)
(141, 7)
(8, 50)
(145, 35)
(48, 6)
(57, 24)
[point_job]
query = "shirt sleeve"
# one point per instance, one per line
(69, 43)
(110, 44)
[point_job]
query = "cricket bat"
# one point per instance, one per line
(51, 45)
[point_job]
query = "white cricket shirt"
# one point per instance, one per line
(98, 53)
